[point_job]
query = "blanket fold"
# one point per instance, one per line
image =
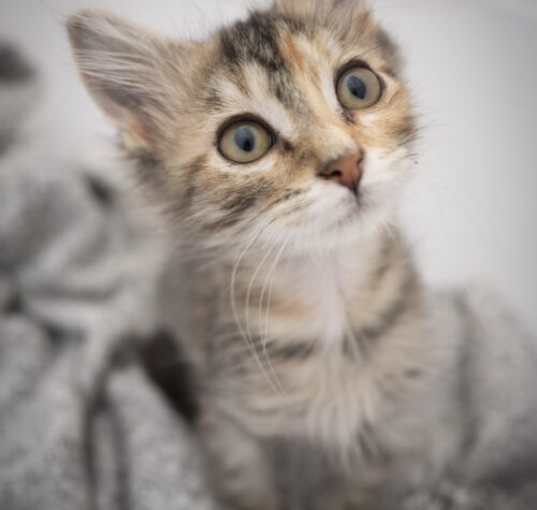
(83, 421)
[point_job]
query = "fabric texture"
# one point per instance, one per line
(83, 424)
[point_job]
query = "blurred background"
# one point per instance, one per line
(472, 67)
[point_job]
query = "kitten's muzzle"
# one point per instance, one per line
(346, 171)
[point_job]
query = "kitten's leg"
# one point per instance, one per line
(238, 471)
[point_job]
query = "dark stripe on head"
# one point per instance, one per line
(253, 40)
(256, 40)
(213, 99)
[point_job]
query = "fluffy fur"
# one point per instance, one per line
(330, 377)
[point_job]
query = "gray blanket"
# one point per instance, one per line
(94, 396)
(84, 423)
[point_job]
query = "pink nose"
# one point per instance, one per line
(346, 171)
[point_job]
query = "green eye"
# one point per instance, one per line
(245, 142)
(359, 88)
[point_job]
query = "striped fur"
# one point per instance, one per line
(307, 318)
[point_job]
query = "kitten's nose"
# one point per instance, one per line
(346, 171)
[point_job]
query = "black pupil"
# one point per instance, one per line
(245, 139)
(357, 87)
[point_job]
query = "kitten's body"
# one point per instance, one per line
(443, 409)
(330, 378)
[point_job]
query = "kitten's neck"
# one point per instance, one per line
(321, 339)
(320, 297)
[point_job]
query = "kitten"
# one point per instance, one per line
(330, 377)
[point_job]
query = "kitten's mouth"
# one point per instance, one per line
(351, 212)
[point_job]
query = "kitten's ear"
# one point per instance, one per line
(123, 67)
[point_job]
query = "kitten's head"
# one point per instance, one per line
(292, 125)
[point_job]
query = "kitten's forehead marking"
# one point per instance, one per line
(312, 63)
(277, 72)
(253, 96)
(256, 40)
(286, 75)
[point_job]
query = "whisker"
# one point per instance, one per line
(233, 299)
(250, 287)
(265, 335)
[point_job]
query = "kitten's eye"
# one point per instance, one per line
(359, 88)
(245, 142)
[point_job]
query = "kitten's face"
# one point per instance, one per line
(289, 127)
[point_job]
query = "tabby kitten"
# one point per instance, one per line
(330, 377)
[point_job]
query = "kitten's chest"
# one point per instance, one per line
(316, 307)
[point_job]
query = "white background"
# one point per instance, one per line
(472, 65)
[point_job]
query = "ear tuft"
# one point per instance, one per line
(119, 64)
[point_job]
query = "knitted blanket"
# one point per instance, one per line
(84, 423)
